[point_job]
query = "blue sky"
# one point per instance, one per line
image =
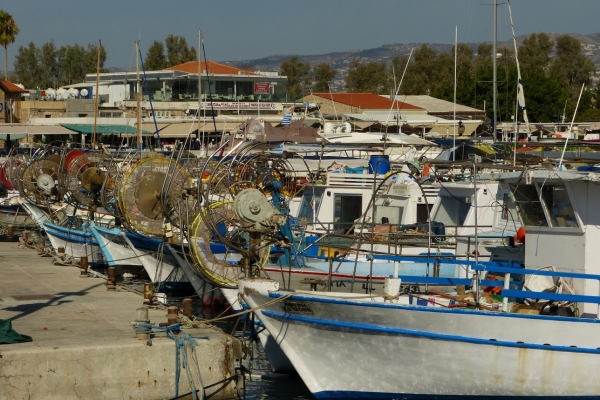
(242, 29)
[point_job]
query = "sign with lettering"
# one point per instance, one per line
(242, 105)
(262, 88)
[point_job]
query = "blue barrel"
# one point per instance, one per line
(379, 164)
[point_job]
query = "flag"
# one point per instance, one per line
(287, 116)
(287, 119)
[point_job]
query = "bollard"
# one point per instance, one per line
(141, 317)
(148, 293)
(172, 315)
(187, 305)
(61, 250)
(83, 267)
(111, 280)
(9, 230)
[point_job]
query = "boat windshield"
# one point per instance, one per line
(529, 205)
(309, 207)
(549, 205)
(509, 213)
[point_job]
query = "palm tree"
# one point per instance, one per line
(8, 31)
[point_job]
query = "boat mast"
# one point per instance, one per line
(200, 88)
(97, 95)
(454, 116)
(495, 74)
(138, 97)
(520, 90)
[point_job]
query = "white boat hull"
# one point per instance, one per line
(76, 243)
(346, 348)
(115, 250)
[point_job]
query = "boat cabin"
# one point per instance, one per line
(344, 201)
(562, 223)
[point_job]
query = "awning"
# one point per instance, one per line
(362, 124)
(13, 136)
(34, 129)
(183, 129)
(105, 129)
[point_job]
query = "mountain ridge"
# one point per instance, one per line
(341, 60)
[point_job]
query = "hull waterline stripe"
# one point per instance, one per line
(424, 334)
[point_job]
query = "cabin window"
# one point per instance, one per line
(529, 205)
(347, 208)
(453, 210)
(553, 197)
(560, 210)
(388, 215)
(309, 207)
(423, 211)
(509, 209)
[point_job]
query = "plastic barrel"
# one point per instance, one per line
(379, 164)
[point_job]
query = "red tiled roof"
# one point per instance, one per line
(213, 67)
(366, 101)
(11, 87)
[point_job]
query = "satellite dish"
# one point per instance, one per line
(21, 85)
(73, 92)
(62, 93)
(50, 93)
(84, 92)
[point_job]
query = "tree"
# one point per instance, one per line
(571, 68)
(396, 71)
(90, 59)
(27, 66)
(323, 74)
(48, 61)
(534, 53)
(71, 64)
(8, 33)
(178, 51)
(418, 78)
(155, 57)
(298, 77)
(369, 77)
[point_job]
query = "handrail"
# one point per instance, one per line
(525, 294)
(526, 271)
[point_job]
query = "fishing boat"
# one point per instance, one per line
(537, 339)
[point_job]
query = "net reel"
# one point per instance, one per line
(244, 212)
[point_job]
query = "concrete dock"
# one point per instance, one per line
(84, 345)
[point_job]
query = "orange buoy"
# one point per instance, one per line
(426, 170)
(520, 236)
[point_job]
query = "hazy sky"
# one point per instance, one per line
(244, 29)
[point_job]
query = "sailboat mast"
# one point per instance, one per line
(97, 95)
(520, 92)
(138, 97)
(454, 116)
(200, 85)
(495, 74)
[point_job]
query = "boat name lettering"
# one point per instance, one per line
(297, 307)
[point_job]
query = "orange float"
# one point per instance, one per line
(520, 236)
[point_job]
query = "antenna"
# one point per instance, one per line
(396, 94)
(570, 128)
